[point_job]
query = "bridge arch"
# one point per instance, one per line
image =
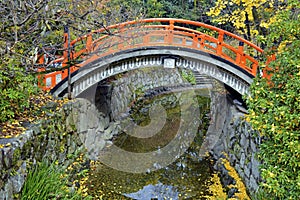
(207, 49)
(157, 56)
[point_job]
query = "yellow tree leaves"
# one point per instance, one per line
(257, 13)
(216, 11)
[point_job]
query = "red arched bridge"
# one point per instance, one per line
(157, 42)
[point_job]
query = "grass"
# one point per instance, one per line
(48, 181)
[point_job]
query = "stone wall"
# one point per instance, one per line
(49, 140)
(230, 136)
(94, 128)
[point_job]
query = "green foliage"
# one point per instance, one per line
(274, 108)
(154, 8)
(16, 86)
(47, 181)
(261, 195)
(192, 10)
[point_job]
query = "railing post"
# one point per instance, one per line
(254, 68)
(169, 36)
(240, 53)
(171, 24)
(202, 41)
(121, 45)
(220, 41)
(66, 42)
(195, 41)
(89, 40)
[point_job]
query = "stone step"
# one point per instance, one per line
(202, 79)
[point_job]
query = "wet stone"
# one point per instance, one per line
(82, 136)
(90, 137)
(231, 192)
(19, 179)
(7, 140)
(253, 183)
(257, 140)
(247, 169)
(255, 167)
(232, 158)
(244, 141)
(237, 150)
(253, 146)
(242, 160)
(232, 141)
(8, 154)
(239, 170)
(8, 190)
(36, 130)
(72, 148)
(1, 158)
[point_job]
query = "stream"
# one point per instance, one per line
(188, 176)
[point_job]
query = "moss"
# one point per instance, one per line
(12, 172)
(247, 160)
(188, 76)
(26, 149)
(62, 148)
(236, 149)
(1, 181)
(16, 156)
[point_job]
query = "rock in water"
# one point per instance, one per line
(158, 191)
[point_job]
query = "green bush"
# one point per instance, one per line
(274, 109)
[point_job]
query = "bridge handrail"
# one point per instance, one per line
(170, 30)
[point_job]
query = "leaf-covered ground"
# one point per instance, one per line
(41, 106)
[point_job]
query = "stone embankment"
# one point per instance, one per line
(230, 136)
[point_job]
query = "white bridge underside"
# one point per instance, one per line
(204, 63)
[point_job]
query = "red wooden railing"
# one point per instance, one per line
(154, 32)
